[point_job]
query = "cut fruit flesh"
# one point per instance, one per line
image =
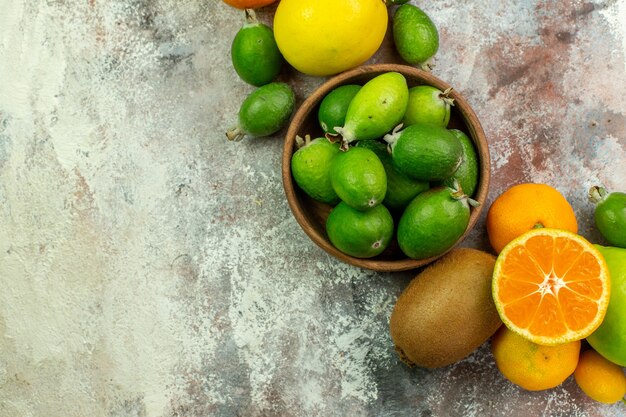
(551, 286)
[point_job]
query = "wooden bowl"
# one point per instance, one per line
(311, 215)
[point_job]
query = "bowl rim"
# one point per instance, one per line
(472, 126)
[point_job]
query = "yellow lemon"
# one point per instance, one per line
(324, 37)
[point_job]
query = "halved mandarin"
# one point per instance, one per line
(551, 286)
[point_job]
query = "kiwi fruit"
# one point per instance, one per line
(447, 311)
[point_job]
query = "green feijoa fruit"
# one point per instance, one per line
(254, 53)
(362, 234)
(426, 153)
(264, 112)
(333, 108)
(358, 177)
(415, 35)
(428, 106)
(400, 188)
(395, 2)
(610, 215)
(433, 222)
(467, 173)
(376, 109)
(310, 167)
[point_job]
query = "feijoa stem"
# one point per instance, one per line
(457, 191)
(597, 194)
(332, 138)
(251, 16)
(235, 134)
(301, 143)
(346, 137)
(445, 96)
(392, 137)
(427, 65)
(458, 194)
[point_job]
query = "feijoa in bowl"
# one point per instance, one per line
(311, 215)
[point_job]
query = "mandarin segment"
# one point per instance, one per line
(521, 267)
(512, 290)
(585, 268)
(521, 311)
(548, 320)
(566, 253)
(566, 301)
(541, 250)
(579, 311)
(591, 289)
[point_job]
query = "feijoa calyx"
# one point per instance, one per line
(310, 167)
(254, 52)
(376, 108)
(610, 215)
(415, 35)
(334, 107)
(358, 233)
(433, 222)
(428, 106)
(359, 178)
(264, 112)
(423, 152)
(447, 311)
(467, 172)
(400, 188)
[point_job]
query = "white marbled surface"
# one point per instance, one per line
(150, 268)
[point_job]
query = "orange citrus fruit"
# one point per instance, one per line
(551, 286)
(248, 4)
(524, 207)
(599, 378)
(532, 366)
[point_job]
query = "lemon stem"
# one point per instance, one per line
(597, 194)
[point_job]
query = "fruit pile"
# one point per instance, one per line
(301, 37)
(388, 158)
(387, 151)
(549, 286)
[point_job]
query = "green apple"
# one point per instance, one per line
(609, 339)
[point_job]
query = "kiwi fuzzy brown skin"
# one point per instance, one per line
(447, 310)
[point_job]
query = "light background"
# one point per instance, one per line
(150, 268)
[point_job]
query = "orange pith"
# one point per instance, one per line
(551, 286)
